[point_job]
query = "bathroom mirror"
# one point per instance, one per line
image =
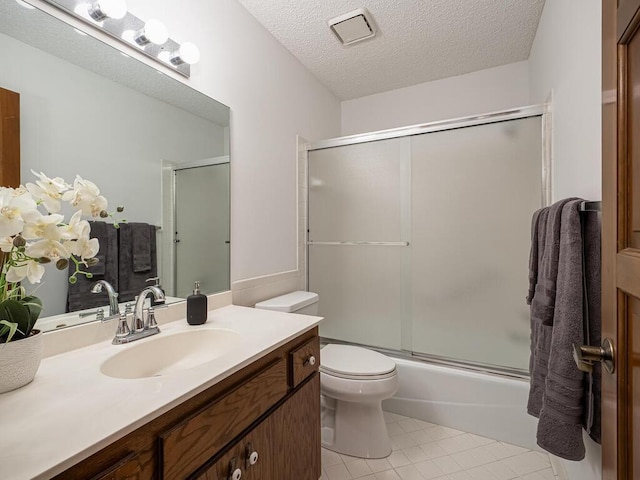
(143, 137)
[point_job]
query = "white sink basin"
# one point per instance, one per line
(165, 354)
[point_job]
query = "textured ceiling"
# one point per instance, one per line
(417, 40)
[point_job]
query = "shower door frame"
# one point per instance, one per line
(540, 110)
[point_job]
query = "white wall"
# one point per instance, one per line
(484, 91)
(61, 122)
(566, 60)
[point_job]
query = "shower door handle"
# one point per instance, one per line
(585, 356)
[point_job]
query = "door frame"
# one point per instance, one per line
(616, 405)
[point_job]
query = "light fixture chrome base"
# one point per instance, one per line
(116, 28)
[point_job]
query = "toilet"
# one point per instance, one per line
(353, 383)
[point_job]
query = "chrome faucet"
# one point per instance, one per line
(114, 310)
(140, 327)
(139, 323)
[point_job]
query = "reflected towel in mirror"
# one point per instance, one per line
(134, 239)
(79, 296)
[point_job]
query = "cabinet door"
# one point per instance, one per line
(296, 434)
(287, 443)
(251, 457)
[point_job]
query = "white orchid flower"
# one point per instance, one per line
(6, 244)
(32, 270)
(49, 191)
(86, 196)
(84, 247)
(39, 226)
(13, 204)
(49, 248)
(73, 229)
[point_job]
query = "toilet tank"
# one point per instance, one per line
(304, 303)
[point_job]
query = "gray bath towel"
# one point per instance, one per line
(130, 281)
(141, 247)
(543, 300)
(79, 296)
(557, 395)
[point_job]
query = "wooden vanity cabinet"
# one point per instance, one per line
(285, 445)
(270, 408)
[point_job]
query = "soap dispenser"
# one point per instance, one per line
(196, 307)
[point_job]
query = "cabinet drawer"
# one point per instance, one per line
(129, 467)
(304, 360)
(188, 445)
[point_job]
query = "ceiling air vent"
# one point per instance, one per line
(352, 27)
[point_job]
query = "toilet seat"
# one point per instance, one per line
(355, 363)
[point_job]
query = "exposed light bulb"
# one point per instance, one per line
(101, 9)
(153, 31)
(187, 53)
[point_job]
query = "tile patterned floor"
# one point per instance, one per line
(424, 451)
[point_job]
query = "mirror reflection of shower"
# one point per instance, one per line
(195, 243)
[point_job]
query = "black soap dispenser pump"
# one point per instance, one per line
(196, 307)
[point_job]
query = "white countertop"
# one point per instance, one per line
(71, 410)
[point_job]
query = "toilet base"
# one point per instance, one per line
(355, 429)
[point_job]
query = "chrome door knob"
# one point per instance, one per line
(585, 356)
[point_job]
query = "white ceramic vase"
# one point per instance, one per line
(19, 361)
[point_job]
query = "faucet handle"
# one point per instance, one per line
(128, 308)
(100, 314)
(151, 323)
(123, 327)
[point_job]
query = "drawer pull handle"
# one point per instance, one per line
(310, 361)
(251, 455)
(234, 473)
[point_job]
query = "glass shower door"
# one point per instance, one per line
(473, 193)
(358, 221)
(421, 243)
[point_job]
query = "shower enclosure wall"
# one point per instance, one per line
(418, 238)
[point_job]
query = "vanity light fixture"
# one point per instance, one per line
(147, 37)
(101, 9)
(153, 31)
(187, 53)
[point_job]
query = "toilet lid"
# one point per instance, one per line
(347, 360)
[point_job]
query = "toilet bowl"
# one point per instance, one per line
(353, 383)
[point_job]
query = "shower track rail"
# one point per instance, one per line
(437, 126)
(438, 360)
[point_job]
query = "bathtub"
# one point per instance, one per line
(489, 405)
